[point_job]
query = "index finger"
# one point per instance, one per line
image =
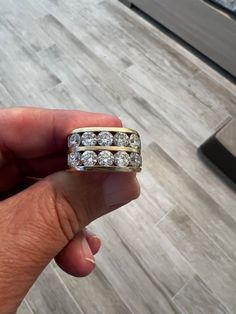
(35, 132)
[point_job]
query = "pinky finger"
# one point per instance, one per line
(76, 258)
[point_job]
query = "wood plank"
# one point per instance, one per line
(197, 203)
(165, 73)
(214, 268)
(196, 297)
(49, 295)
(190, 117)
(171, 270)
(18, 21)
(5, 98)
(87, 59)
(179, 47)
(140, 292)
(100, 36)
(213, 93)
(200, 24)
(23, 91)
(11, 7)
(24, 308)
(28, 62)
(168, 56)
(94, 294)
(82, 90)
(182, 151)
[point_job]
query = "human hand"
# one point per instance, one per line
(43, 219)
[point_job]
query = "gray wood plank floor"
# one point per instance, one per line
(172, 250)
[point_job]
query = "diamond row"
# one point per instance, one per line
(104, 158)
(104, 138)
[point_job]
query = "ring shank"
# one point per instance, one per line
(105, 169)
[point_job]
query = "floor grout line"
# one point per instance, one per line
(181, 289)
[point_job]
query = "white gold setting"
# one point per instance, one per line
(121, 139)
(134, 141)
(122, 159)
(89, 139)
(105, 158)
(89, 158)
(105, 138)
(74, 139)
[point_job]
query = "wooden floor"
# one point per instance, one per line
(174, 249)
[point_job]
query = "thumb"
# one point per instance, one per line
(41, 220)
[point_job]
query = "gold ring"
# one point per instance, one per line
(104, 149)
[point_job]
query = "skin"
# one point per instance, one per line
(44, 210)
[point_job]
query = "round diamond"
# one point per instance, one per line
(105, 139)
(89, 158)
(73, 159)
(134, 141)
(135, 160)
(121, 139)
(89, 139)
(105, 158)
(74, 139)
(122, 159)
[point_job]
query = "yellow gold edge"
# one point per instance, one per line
(109, 148)
(104, 169)
(100, 129)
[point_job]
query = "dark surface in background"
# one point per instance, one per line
(220, 157)
(228, 4)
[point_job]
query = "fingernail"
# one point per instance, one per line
(120, 188)
(90, 260)
(86, 250)
(91, 234)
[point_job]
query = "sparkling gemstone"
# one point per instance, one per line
(89, 158)
(74, 139)
(89, 139)
(74, 149)
(134, 141)
(135, 160)
(73, 159)
(105, 139)
(105, 158)
(122, 159)
(121, 139)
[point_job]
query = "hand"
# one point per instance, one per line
(46, 218)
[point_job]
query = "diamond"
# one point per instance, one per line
(121, 139)
(122, 159)
(73, 159)
(135, 160)
(105, 139)
(89, 158)
(89, 139)
(134, 141)
(74, 139)
(74, 149)
(105, 158)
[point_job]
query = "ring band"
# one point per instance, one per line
(104, 149)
